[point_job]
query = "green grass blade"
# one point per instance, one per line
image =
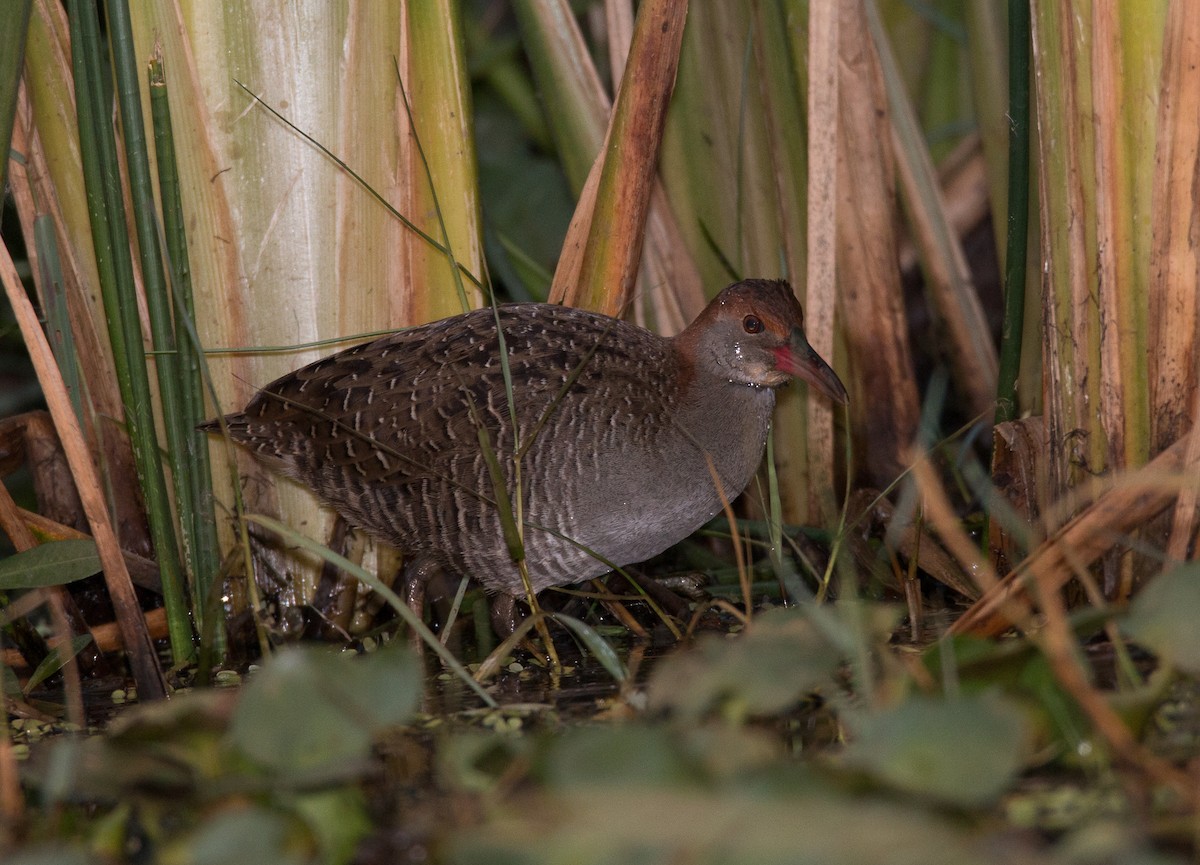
(56, 660)
(357, 178)
(1018, 211)
(205, 554)
(112, 244)
(14, 25)
(137, 161)
(597, 645)
(359, 573)
(58, 324)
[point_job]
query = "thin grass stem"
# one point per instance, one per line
(205, 552)
(1018, 211)
(119, 295)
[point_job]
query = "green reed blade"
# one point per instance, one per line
(205, 551)
(115, 263)
(359, 573)
(1018, 210)
(14, 24)
(58, 324)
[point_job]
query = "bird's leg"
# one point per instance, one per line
(417, 574)
(333, 602)
(670, 594)
(505, 616)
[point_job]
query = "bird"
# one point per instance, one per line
(605, 442)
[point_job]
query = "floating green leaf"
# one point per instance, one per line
(253, 834)
(779, 660)
(670, 823)
(964, 751)
(599, 756)
(51, 855)
(1163, 617)
(311, 709)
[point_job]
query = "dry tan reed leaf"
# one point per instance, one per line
(1070, 308)
(614, 249)
(1130, 502)
(885, 405)
(963, 176)
(1018, 472)
(142, 657)
(670, 275)
(1175, 247)
(1120, 351)
(670, 280)
(107, 637)
(433, 75)
(564, 288)
(971, 353)
(1184, 516)
(820, 290)
(366, 126)
(618, 23)
(36, 192)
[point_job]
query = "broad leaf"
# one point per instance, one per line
(312, 709)
(51, 564)
(964, 751)
(776, 663)
(1163, 617)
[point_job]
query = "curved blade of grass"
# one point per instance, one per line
(366, 577)
(596, 644)
(784, 571)
(508, 523)
(887, 406)
(820, 285)
(1174, 285)
(1067, 201)
(58, 658)
(370, 190)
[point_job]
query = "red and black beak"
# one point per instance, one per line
(798, 358)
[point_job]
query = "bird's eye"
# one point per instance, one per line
(752, 324)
